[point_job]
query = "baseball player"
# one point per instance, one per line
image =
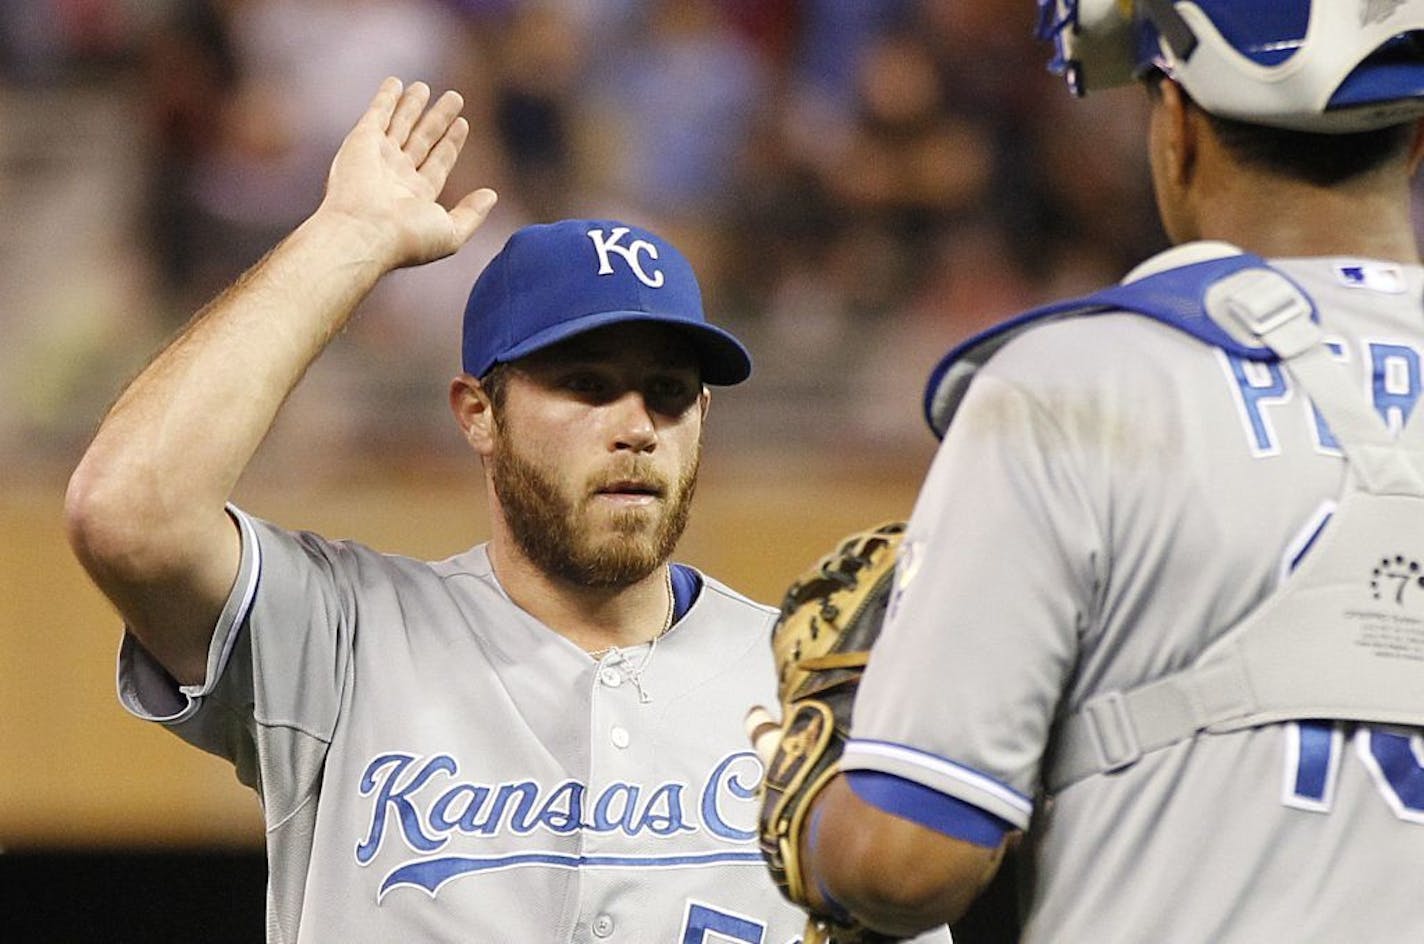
(538, 739)
(1160, 604)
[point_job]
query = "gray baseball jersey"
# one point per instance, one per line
(437, 765)
(1112, 496)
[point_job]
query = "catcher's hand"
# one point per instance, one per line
(830, 617)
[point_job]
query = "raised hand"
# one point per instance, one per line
(390, 170)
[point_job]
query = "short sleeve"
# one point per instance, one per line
(995, 584)
(278, 659)
(147, 690)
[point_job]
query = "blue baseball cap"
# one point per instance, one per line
(552, 281)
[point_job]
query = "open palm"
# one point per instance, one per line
(391, 168)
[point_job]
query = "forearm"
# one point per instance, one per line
(177, 440)
(145, 506)
(888, 873)
(180, 436)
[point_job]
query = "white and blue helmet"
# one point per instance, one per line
(1313, 65)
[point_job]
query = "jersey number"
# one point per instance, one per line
(1395, 762)
(706, 925)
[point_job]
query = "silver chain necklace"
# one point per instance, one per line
(635, 673)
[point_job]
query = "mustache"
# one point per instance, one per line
(634, 476)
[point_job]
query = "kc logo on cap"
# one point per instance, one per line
(552, 281)
(629, 254)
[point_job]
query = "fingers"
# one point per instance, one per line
(394, 166)
(415, 129)
(383, 105)
(443, 155)
(407, 111)
(467, 215)
(764, 732)
(434, 128)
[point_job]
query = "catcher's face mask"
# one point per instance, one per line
(1314, 65)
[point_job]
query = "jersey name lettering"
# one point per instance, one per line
(416, 797)
(1259, 388)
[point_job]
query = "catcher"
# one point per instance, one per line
(1159, 604)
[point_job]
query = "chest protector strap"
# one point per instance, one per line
(1343, 636)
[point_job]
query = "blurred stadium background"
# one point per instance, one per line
(860, 184)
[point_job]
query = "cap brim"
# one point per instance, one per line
(723, 359)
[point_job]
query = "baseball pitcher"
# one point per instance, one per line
(538, 739)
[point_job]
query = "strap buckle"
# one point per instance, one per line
(1271, 308)
(1111, 731)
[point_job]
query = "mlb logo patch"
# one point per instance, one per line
(1373, 276)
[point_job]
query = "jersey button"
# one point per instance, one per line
(610, 676)
(602, 925)
(619, 736)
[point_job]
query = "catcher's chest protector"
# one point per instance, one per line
(1343, 637)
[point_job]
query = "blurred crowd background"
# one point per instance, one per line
(859, 184)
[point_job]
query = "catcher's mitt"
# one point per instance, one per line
(821, 643)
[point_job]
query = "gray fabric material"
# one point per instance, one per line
(1321, 647)
(425, 751)
(1113, 497)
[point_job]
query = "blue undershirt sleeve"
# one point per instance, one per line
(929, 808)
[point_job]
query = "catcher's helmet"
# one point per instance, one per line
(1314, 65)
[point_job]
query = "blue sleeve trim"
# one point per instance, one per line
(929, 808)
(858, 749)
(686, 585)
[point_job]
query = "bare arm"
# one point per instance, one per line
(145, 507)
(891, 874)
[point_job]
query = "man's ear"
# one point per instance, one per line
(470, 403)
(704, 401)
(1182, 130)
(1416, 146)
